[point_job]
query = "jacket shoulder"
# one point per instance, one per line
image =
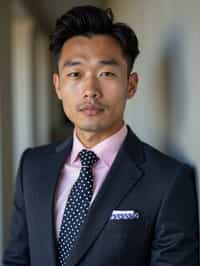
(39, 152)
(160, 159)
(163, 171)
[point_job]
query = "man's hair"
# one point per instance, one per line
(89, 21)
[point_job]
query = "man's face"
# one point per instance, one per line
(93, 83)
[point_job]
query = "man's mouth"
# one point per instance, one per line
(91, 110)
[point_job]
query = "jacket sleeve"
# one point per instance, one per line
(17, 250)
(176, 233)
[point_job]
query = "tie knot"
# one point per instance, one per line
(88, 158)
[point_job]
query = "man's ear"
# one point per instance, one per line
(56, 83)
(132, 85)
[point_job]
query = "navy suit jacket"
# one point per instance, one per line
(160, 189)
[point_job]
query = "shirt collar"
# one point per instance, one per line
(106, 150)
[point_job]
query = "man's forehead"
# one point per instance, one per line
(98, 45)
(99, 49)
(100, 38)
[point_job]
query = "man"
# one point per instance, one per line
(103, 197)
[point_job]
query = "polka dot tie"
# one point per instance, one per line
(77, 206)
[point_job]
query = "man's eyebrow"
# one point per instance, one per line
(110, 62)
(70, 63)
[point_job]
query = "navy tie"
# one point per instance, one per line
(77, 206)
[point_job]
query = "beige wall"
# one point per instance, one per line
(166, 109)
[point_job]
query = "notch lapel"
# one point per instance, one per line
(122, 177)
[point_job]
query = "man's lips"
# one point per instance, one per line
(91, 110)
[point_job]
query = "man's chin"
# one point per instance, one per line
(92, 128)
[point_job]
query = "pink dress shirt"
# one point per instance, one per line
(106, 152)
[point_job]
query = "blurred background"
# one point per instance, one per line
(164, 113)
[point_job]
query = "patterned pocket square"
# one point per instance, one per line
(124, 215)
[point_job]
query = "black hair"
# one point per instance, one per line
(88, 21)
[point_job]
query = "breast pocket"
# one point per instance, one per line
(128, 231)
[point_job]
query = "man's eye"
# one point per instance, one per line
(73, 74)
(107, 74)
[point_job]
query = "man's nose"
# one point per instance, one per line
(91, 88)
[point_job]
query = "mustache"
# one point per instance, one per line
(91, 103)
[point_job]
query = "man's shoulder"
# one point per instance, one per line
(150, 155)
(163, 170)
(51, 148)
(161, 159)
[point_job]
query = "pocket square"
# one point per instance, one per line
(124, 215)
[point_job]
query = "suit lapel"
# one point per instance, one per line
(122, 177)
(54, 163)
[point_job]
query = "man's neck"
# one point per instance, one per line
(90, 139)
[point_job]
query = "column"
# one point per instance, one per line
(5, 120)
(22, 76)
